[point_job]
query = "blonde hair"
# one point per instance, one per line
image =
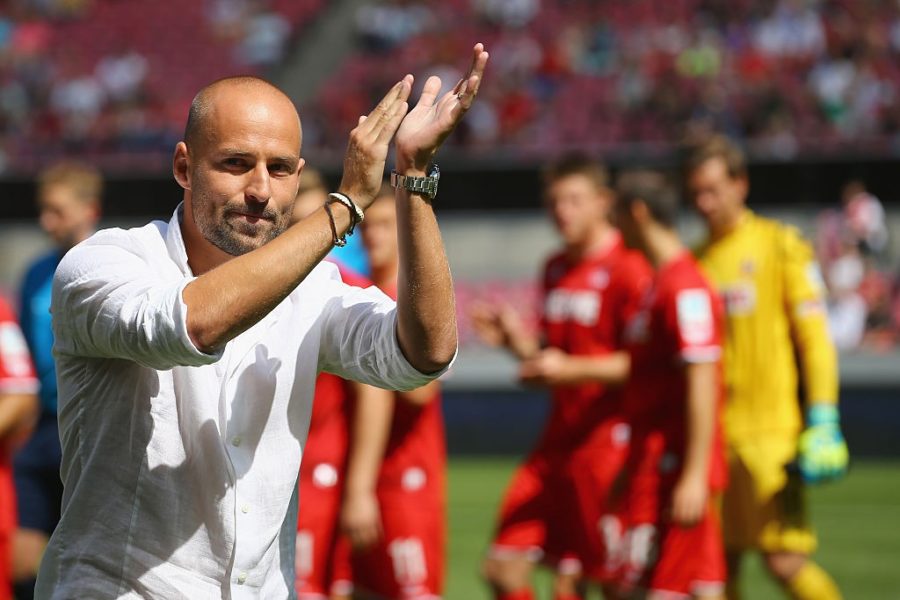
(84, 181)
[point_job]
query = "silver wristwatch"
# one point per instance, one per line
(427, 186)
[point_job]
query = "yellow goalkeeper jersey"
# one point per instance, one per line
(776, 321)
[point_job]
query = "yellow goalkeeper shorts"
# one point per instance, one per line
(763, 508)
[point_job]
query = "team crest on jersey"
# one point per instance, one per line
(739, 298)
(695, 319)
(581, 306)
(325, 475)
(748, 267)
(599, 279)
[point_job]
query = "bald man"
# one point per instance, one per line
(187, 350)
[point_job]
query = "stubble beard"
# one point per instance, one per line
(219, 231)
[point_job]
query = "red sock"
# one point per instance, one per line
(567, 597)
(525, 594)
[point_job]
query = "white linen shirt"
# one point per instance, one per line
(180, 468)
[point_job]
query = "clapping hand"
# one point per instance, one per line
(427, 125)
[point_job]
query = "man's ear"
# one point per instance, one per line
(181, 166)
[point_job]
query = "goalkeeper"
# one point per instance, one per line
(776, 326)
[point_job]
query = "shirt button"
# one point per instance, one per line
(236, 441)
(242, 578)
(245, 508)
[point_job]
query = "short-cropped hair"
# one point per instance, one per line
(654, 190)
(577, 164)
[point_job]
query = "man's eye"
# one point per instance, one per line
(281, 169)
(233, 162)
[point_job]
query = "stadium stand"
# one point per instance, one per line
(113, 80)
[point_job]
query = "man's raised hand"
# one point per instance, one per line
(369, 142)
(427, 125)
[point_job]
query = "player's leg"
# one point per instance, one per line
(317, 530)
(521, 534)
(801, 577)
(785, 535)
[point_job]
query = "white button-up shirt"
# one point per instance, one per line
(180, 467)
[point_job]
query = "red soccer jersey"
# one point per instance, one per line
(329, 421)
(585, 307)
(416, 453)
(680, 322)
(17, 376)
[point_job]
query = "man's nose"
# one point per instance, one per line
(259, 188)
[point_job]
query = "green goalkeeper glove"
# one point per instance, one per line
(823, 454)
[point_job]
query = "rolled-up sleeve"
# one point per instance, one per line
(109, 302)
(360, 340)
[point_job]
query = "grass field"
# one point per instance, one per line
(858, 521)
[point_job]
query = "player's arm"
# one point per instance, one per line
(360, 512)
(552, 367)
(691, 494)
(421, 396)
(426, 323)
(823, 453)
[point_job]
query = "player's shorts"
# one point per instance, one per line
(670, 560)
(762, 507)
(408, 562)
(36, 470)
(552, 508)
(322, 556)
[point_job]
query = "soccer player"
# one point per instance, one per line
(334, 500)
(775, 304)
(553, 505)
(676, 467)
(405, 560)
(18, 411)
(69, 201)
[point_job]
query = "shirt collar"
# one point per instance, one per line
(175, 241)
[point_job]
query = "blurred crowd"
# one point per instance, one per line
(111, 81)
(784, 76)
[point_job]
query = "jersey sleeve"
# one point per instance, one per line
(692, 319)
(17, 374)
(808, 316)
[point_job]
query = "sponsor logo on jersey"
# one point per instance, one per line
(739, 298)
(695, 320)
(581, 306)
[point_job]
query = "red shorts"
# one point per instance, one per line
(408, 562)
(322, 558)
(679, 561)
(553, 506)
